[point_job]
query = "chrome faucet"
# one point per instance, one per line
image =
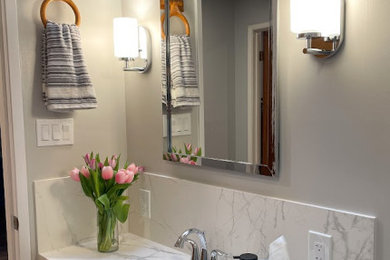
(195, 248)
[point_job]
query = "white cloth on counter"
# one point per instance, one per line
(184, 87)
(278, 249)
(66, 84)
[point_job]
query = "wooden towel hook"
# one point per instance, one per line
(174, 10)
(69, 2)
(179, 3)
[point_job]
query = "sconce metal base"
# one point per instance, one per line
(321, 47)
(142, 69)
(145, 48)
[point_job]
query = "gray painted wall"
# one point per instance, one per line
(102, 129)
(335, 128)
(218, 77)
(225, 43)
(246, 12)
(177, 27)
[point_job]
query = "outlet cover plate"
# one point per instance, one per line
(144, 201)
(320, 246)
(54, 132)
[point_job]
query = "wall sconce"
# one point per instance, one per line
(132, 44)
(321, 23)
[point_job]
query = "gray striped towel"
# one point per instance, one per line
(66, 84)
(184, 89)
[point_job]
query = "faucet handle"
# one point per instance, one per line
(215, 253)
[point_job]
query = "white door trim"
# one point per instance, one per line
(15, 126)
(199, 58)
(252, 29)
(9, 188)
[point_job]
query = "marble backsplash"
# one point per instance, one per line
(237, 222)
(64, 215)
(234, 221)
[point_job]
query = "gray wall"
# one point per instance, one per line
(102, 129)
(218, 78)
(177, 27)
(335, 128)
(225, 43)
(246, 12)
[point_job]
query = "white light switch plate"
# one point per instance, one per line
(52, 132)
(144, 197)
(320, 246)
(181, 124)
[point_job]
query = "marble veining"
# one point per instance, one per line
(64, 215)
(132, 247)
(234, 221)
(238, 222)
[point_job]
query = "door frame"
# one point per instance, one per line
(253, 139)
(13, 135)
(198, 32)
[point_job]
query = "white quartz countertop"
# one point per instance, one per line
(130, 247)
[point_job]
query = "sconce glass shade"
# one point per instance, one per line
(126, 37)
(316, 16)
(143, 43)
(132, 44)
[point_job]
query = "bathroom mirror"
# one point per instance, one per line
(219, 84)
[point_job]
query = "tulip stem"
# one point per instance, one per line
(107, 240)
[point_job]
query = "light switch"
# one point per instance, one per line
(52, 132)
(66, 132)
(187, 123)
(181, 124)
(57, 133)
(45, 132)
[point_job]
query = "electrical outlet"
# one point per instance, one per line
(320, 246)
(144, 198)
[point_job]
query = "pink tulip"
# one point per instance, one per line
(188, 146)
(121, 176)
(132, 167)
(101, 165)
(85, 172)
(92, 164)
(130, 176)
(74, 174)
(112, 163)
(185, 160)
(174, 157)
(196, 151)
(87, 158)
(107, 173)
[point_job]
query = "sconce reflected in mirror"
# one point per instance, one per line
(320, 23)
(132, 44)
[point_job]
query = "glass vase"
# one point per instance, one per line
(108, 238)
